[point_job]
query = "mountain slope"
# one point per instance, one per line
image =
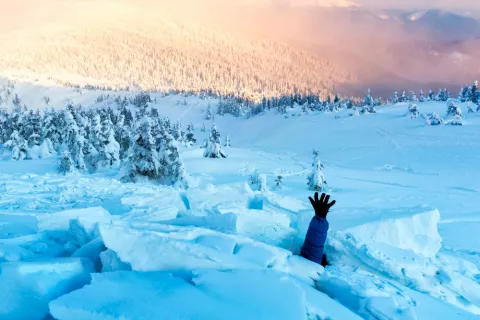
(151, 49)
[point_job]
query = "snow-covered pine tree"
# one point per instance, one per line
(172, 169)
(127, 116)
(17, 105)
(413, 110)
(254, 180)
(395, 97)
(208, 113)
(213, 148)
(369, 103)
(190, 137)
(66, 163)
(177, 132)
(204, 129)
(76, 146)
(17, 145)
(461, 95)
(431, 95)
(109, 152)
(95, 128)
(454, 114)
(50, 129)
(33, 128)
(422, 96)
(278, 181)
(404, 97)
(453, 110)
(144, 159)
(214, 134)
(123, 136)
(316, 180)
(433, 119)
(262, 183)
(414, 97)
(446, 95)
(74, 140)
(335, 106)
(355, 112)
(475, 94)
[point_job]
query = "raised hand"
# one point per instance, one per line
(321, 206)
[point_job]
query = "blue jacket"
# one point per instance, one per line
(315, 240)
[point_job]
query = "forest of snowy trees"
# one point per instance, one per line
(136, 139)
(131, 136)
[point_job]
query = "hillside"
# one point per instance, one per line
(152, 49)
(401, 243)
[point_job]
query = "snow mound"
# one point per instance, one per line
(182, 249)
(209, 295)
(373, 297)
(213, 195)
(26, 288)
(415, 229)
(405, 248)
(158, 204)
(411, 229)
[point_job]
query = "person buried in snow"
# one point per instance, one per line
(314, 244)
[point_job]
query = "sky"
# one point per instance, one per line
(454, 5)
(444, 4)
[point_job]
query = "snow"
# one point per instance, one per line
(413, 229)
(27, 287)
(86, 218)
(402, 244)
(209, 295)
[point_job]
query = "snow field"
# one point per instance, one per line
(402, 242)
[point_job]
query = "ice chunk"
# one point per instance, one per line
(414, 229)
(267, 226)
(11, 252)
(186, 248)
(260, 294)
(160, 204)
(17, 225)
(219, 222)
(92, 252)
(212, 295)
(111, 262)
(87, 218)
(26, 288)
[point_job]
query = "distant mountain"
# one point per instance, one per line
(443, 26)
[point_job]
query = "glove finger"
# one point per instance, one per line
(332, 204)
(322, 197)
(311, 201)
(327, 198)
(316, 196)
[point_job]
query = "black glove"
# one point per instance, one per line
(321, 206)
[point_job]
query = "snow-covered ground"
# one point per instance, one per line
(403, 242)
